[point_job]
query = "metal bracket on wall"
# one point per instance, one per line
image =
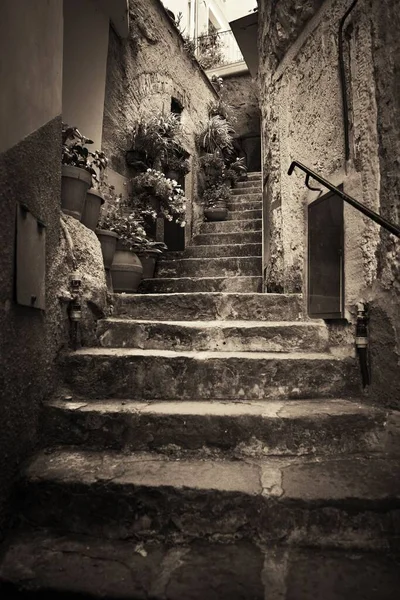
(30, 263)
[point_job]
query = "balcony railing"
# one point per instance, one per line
(217, 49)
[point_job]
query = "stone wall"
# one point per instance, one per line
(302, 119)
(241, 93)
(143, 73)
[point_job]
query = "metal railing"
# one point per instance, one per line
(395, 229)
(217, 49)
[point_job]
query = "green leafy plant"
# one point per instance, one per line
(76, 154)
(178, 164)
(213, 167)
(209, 50)
(154, 140)
(217, 136)
(155, 195)
(238, 166)
(215, 194)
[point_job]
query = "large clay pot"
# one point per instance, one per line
(126, 271)
(218, 212)
(91, 211)
(74, 184)
(108, 242)
(148, 261)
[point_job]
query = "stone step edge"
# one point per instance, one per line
(208, 259)
(205, 355)
(271, 296)
(213, 277)
(219, 323)
(281, 479)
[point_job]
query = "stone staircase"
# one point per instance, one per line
(225, 255)
(210, 448)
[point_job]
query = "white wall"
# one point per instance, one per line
(30, 67)
(86, 29)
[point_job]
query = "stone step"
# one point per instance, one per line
(254, 175)
(216, 428)
(230, 226)
(334, 501)
(210, 267)
(208, 306)
(254, 182)
(214, 251)
(243, 215)
(248, 192)
(201, 284)
(234, 204)
(122, 569)
(100, 373)
(223, 239)
(229, 336)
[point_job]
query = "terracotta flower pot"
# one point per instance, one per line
(218, 212)
(149, 261)
(126, 271)
(74, 184)
(108, 242)
(91, 211)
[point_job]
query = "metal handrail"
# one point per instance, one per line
(395, 229)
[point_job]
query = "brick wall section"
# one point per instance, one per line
(143, 72)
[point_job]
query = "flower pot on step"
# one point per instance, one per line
(126, 271)
(91, 210)
(108, 242)
(74, 184)
(149, 261)
(217, 212)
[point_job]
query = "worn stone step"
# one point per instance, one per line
(216, 428)
(215, 251)
(230, 226)
(201, 284)
(350, 501)
(243, 215)
(61, 566)
(254, 175)
(254, 182)
(248, 192)
(98, 568)
(240, 204)
(241, 336)
(209, 306)
(100, 373)
(223, 239)
(210, 267)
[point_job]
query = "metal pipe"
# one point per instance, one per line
(395, 229)
(342, 72)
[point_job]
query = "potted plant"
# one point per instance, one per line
(126, 269)
(76, 171)
(155, 195)
(148, 255)
(176, 167)
(153, 139)
(94, 196)
(238, 166)
(215, 198)
(108, 225)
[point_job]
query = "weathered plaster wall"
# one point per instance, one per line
(302, 120)
(143, 72)
(30, 171)
(84, 66)
(241, 93)
(30, 72)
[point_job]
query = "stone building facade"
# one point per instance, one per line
(70, 61)
(303, 120)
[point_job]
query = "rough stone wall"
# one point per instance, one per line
(302, 120)
(29, 338)
(241, 93)
(143, 72)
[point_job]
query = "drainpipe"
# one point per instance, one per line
(343, 81)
